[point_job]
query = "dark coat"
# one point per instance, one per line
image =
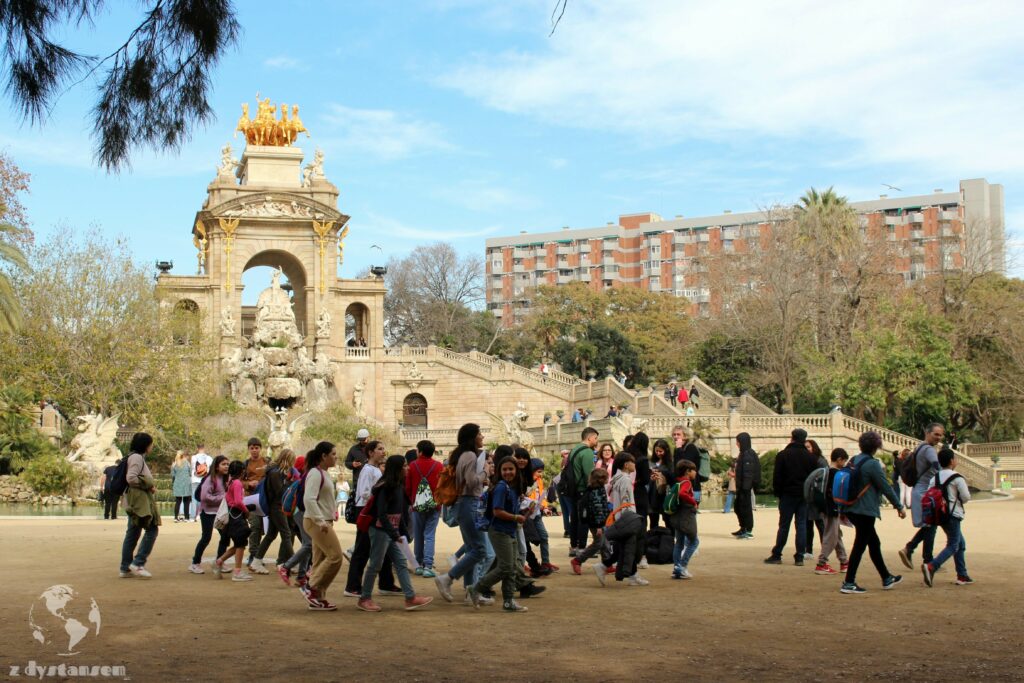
(793, 464)
(688, 452)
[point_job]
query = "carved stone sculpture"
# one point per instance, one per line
(357, 397)
(94, 442)
(228, 163)
(323, 325)
(227, 323)
(512, 430)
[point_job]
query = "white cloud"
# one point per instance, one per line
(284, 63)
(381, 133)
(913, 81)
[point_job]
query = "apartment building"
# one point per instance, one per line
(933, 233)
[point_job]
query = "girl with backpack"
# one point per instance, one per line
(661, 470)
(211, 492)
(869, 482)
(683, 521)
(237, 529)
(301, 557)
(470, 486)
(818, 522)
(275, 481)
(595, 511)
(390, 509)
(503, 529)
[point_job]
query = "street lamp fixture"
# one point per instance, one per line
(379, 271)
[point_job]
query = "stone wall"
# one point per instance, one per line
(14, 490)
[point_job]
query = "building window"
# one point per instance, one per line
(656, 250)
(496, 264)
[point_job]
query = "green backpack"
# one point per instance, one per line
(671, 499)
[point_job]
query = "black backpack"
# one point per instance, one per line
(659, 546)
(199, 489)
(908, 470)
(567, 480)
(118, 483)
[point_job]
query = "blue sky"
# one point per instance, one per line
(457, 120)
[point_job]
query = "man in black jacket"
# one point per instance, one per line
(793, 464)
(748, 476)
(686, 449)
(356, 457)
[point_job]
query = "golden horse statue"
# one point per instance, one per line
(265, 129)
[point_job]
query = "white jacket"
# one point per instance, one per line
(957, 493)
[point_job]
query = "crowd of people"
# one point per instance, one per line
(610, 497)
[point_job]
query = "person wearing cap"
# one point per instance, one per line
(793, 465)
(356, 457)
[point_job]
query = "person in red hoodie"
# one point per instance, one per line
(684, 520)
(420, 485)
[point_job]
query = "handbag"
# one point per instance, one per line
(450, 515)
(350, 509)
(366, 518)
(220, 521)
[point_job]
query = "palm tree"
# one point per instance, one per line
(10, 257)
(826, 218)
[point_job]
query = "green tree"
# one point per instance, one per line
(152, 88)
(602, 346)
(11, 258)
(20, 441)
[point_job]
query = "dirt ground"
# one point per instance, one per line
(738, 619)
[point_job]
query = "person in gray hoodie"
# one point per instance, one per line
(628, 528)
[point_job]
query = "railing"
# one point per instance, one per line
(751, 406)
(707, 395)
(784, 423)
(987, 450)
(357, 352)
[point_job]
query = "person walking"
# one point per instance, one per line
(595, 512)
(683, 521)
(420, 485)
(276, 480)
(470, 484)
(357, 456)
(581, 460)
(642, 483)
(925, 463)
(626, 528)
(389, 512)
(869, 477)
(814, 521)
(212, 490)
(200, 468)
(957, 494)
(832, 533)
(748, 477)
(141, 509)
(109, 499)
(502, 531)
(181, 486)
(255, 470)
(370, 473)
(237, 529)
(792, 466)
(318, 501)
(301, 558)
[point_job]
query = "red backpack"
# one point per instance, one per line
(366, 517)
(935, 502)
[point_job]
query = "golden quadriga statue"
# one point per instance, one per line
(266, 129)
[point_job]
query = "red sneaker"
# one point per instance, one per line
(368, 605)
(549, 567)
(285, 575)
(611, 569)
(576, 566)
(825, 569)
(843, 566)
(417, 602)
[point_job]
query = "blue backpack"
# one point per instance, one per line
(291, 497)
(846, 486)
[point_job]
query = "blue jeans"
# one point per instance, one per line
(924, 536)
(565, 506)
(684, 548)
(729, 498)
(424, 528)
(790, 507)
(131, 539)
(696, 496)
(472, 537)
(381, 545)
(302, 556)
(542, 531)
(956, 547)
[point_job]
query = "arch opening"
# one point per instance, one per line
(414, 411)
(357, 325)
(256, 275)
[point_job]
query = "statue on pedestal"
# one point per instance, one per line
(314, 170)
(357, 397)
(228, 163)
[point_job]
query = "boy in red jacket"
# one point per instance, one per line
(420, 485)
(684, 521)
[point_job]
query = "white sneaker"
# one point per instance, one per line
(125, 575)
(444, 586)
(637, 580)
(139, 572)
(258, 568)
(196, 569)
(242, 576)
(599, 570)
(643, 563)
(685, 573)
(347, 552)
(484, 600)
(452, 561)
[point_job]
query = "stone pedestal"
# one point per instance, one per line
(278, 167)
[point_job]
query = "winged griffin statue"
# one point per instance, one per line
(95, 439)
(513, 429)
(281, 431)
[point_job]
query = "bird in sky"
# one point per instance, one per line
(892, 187)
(374, 246)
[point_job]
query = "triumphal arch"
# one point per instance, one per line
(312, 337)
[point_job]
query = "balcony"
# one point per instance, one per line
(564, 279)
(917, 234)
(682, 238)
(584, 277)
(894, 220)
(585, 248)
(917, 217)
(608, 261)
(564, 249)
(522, 253)
(519, 268)
(948, 215)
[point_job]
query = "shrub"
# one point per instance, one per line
(53, 475)
(767, 470)
(720, 463)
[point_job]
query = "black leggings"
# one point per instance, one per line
(206, 521)
(866, 537)
(183, 501)
(109, 506)
(811, 524)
